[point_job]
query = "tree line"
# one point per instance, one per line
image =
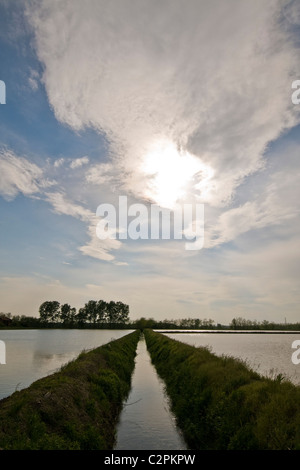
(240, 323)
(179, 323)
(101, 314)
(237, 323)
(94, 313)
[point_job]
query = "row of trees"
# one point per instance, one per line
(101, 314)
(95, 313)
(240, 323)
(21, 321)
(181, 323)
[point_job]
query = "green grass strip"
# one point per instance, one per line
(221, 404)
(76, 408)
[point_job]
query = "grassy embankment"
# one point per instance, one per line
(220, 404)
(75, 408)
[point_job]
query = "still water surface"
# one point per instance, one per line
(33, 354)
(269, 354)
(146, 421)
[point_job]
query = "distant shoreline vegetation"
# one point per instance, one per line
(100, 314)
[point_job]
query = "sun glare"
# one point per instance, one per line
(173, 174)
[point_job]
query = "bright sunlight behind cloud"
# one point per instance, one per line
(215, 85)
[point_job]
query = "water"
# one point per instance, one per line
(146, 421)
(269, 354)
(33, 354)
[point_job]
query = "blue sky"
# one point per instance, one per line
(192, 107)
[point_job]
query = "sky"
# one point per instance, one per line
(170, 104)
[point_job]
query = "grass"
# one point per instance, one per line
(76, 408)
(221, 404)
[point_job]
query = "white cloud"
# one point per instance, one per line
(19, 175)
(212, 77)
(275, 202)
(95, 248)
(61, 205)
(78, 162)
(101, 173)
(59, 162)
(99, 249)
(33, 79)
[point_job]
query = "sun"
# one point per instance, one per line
(173, 174)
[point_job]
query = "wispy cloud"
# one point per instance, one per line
(19, 175)
(95, 248)
(59, 162)
(101, 173)
(99, 249)
(174, 78)
(61, 205)
(274, 202)
(78, 162)
(33, 79)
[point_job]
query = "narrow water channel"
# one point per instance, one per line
(146, 422)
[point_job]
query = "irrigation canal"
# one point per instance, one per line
(146, 421)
